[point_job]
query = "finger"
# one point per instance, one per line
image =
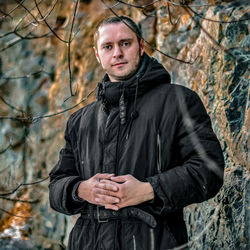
(107, 181)
(118, 178)
(101, 191)
(107, 186)
(105, 199)
(112, 207)
(103, 176)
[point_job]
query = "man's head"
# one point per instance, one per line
(118, 47)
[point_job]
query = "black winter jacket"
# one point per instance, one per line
(157, 132)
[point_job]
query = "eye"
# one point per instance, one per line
(107, 47)
(126, 44)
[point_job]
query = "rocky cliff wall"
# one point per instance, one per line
(35, 80)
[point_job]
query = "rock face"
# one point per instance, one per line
(219, 52)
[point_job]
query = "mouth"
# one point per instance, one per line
(119, 64)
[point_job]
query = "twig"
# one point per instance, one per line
(27, 37)
(19, 216)
(5, 15)
(23, 184)
(25, 76)
(69, 46)
(169, 2)
(139, 6)
(218, 21)
(208, 226)
(30, 120)
(5, 149)
(13, 10)
(27, 10)
(18, 200)
(170, 14)
(44, 20)
(13, 42)
(11, 106)
(187, 9)
(65, 110)
(149, 44)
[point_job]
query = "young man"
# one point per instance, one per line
(135, 157)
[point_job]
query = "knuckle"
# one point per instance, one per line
(113, 200)
(122, 189)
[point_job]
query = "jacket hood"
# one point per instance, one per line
(150, 73)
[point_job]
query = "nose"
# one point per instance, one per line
(117, 52)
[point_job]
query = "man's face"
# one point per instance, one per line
(118, 51)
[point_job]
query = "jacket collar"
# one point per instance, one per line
(150, 73)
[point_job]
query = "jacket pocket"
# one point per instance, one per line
(82, 235)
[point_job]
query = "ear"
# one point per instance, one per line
(96, 54)
(142, 47)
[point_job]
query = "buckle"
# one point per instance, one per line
(98, 216)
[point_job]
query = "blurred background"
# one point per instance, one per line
(48, 70)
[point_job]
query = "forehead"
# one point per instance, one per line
(115, 32)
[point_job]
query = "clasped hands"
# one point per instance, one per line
(115, 192)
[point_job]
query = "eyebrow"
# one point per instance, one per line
(120, 41)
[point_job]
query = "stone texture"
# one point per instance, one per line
(220, 79)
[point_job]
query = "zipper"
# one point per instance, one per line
(158, 153)
(134, 243)
(117, 148)
(116, 170)
(152, 239)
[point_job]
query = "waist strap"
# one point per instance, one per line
(104, 215)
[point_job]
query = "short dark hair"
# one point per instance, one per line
(118, 19)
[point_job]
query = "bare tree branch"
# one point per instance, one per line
(170, 15)
(149, 44)
(218, 21)
(5, 15)
(11, 44)
(219, 46)
(44, 20)
(168, 2)
(5, 149)
(23, 184)
(207, 227)
(28, 11)
(26, 76)
(19, 200)
(11, 106)
(29, 120)
(19, 38)
(69, 46)
(2, 17)
(19, 216)
(193, 5)
(16, 29)
(138, 6)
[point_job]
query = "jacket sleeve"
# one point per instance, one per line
(199, 176)
(64, 181)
